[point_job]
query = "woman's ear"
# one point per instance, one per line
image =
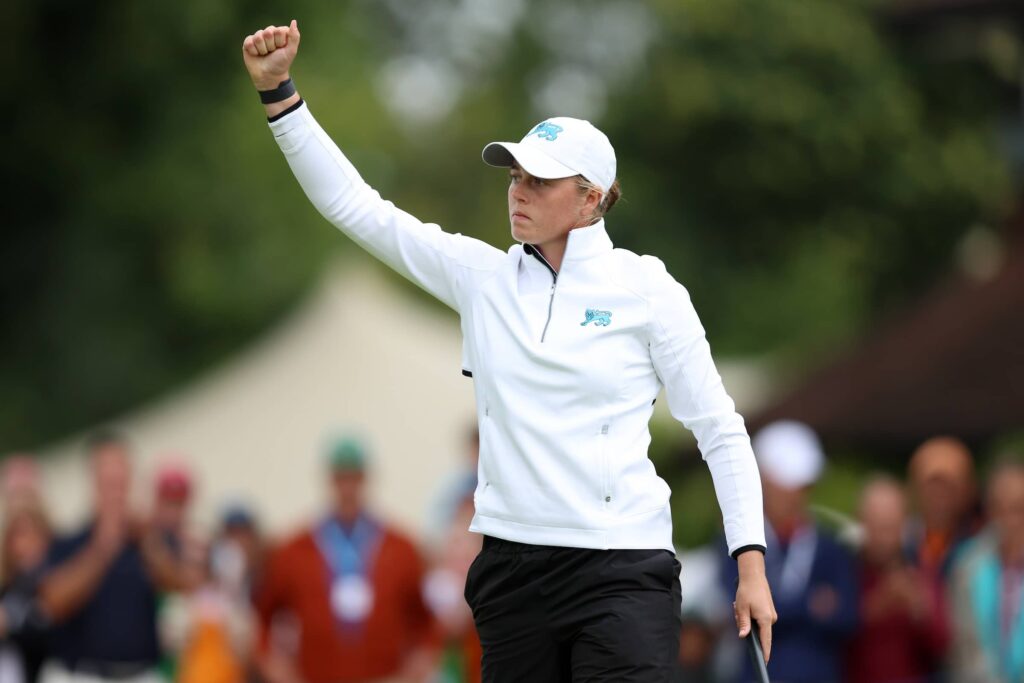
(591, 201)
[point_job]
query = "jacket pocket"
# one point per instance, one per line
(604, 466)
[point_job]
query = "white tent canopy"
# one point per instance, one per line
(360, 354)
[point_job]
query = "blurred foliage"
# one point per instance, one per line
(154, 228)
(793, 165)
(697, 519)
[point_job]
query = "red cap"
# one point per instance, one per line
(174, 482)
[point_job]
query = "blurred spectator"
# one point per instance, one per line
(811, 575)
(988, 589)
(942, 478)
(353, 584)
(452, 491)
(705, 615)
(26, 538)
(19, 477)
(102, 585)
(211, 628)
(238, 553)
(443, 591)
(697, 639)
(173, 493)
(904, 630)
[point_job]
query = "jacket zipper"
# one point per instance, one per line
(551, 303)
(530, 249)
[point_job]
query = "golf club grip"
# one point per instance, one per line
(756, 653)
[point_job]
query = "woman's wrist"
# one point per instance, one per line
(270, 81)
(278, 108)
(750, 564)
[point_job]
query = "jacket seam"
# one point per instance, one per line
(733, 474)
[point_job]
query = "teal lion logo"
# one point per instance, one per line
(599, 318)
(546, 131)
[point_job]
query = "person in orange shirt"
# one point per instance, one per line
(942, 479)
(352, 586)
(211, 628)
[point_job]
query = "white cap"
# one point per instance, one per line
(789, 454)
(561, 147)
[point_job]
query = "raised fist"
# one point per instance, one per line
(268, 54)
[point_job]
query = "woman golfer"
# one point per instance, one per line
(568, 342)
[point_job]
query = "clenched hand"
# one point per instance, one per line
(269, 54)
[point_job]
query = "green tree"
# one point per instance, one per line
(798, 168)
(153, 228)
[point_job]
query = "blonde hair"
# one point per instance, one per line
(25, 506)
(608, 198)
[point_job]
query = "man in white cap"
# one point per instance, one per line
(812, 576)
(568, 342)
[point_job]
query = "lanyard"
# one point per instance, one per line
(348, 554)
(349, 557)
(795, 572)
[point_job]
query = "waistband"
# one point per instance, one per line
(493, 544)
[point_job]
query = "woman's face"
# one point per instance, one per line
(544, 211)
(27, 542)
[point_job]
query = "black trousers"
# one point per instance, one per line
(551, 615)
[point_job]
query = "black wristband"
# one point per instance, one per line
(283, 91)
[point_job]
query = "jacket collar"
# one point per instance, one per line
(588, 242)
(584, 243)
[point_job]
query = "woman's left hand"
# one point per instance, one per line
(754, 600)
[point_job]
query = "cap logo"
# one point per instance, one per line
(546, 131)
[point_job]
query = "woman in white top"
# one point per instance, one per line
(568, 341)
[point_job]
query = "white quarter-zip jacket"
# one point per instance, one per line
(566, 368)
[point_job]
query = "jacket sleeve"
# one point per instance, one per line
(439, 262)
(696, 397)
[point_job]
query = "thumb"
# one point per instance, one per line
(293, 33)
